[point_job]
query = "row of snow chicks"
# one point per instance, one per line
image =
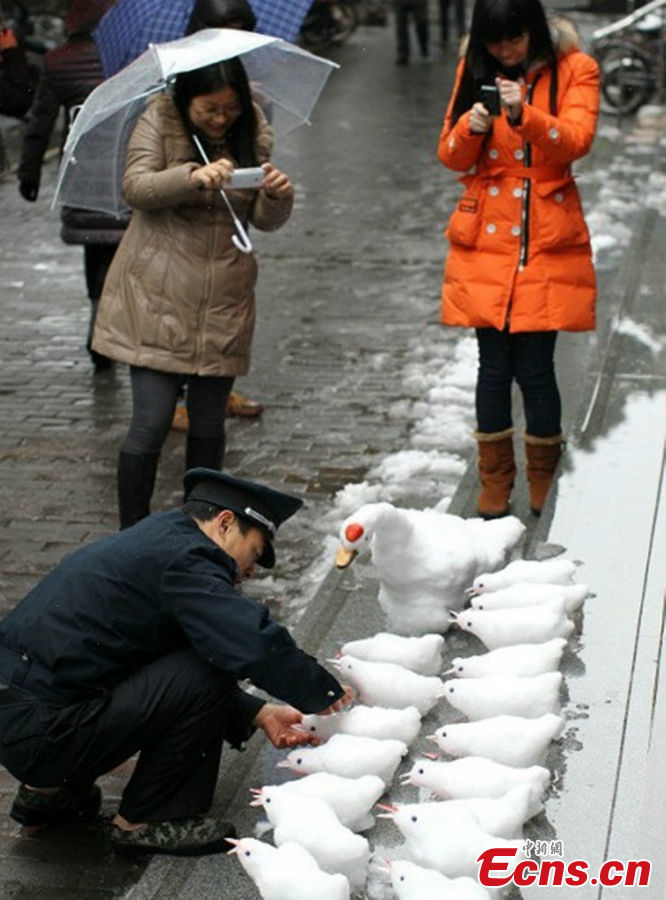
(496, 782)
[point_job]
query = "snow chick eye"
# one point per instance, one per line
(299, 762)
(414, 818)
(248, 853)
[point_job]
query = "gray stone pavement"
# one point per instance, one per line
(343, 290)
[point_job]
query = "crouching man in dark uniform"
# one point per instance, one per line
(135, 643)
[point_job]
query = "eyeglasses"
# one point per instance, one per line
(206, 110)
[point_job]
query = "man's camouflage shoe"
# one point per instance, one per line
(33, 808)
(179, 837)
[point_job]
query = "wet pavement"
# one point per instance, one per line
(346, 290)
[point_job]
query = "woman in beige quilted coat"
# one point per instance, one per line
(178, 303)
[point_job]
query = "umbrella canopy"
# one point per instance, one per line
(280, 17)
(290, 78)
(131, 25)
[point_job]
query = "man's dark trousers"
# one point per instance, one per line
(175, 712)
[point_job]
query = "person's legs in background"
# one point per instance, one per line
(494, 433)
(96, 261)
(420, 11)
(444, 21)
(535, 373)
(206, 403)
(154, 396)
(459, 10)
(402, 33)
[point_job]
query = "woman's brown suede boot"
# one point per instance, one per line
(497, 470)
(542, 456)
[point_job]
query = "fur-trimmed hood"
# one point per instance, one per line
(564, 32)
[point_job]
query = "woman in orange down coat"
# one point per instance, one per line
(519, 268)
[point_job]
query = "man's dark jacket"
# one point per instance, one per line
(127, 599)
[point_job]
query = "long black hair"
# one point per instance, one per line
(221, 14)
(498, 20)
(231, 73)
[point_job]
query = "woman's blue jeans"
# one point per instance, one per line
(527, 357)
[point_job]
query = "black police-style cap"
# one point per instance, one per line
(258, 504)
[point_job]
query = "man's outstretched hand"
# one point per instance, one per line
(279, 724)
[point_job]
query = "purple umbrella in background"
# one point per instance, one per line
(283, 18)
(131, 25)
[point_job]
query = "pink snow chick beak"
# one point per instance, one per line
(406, 778)
(470, 591)
(450, 671)
(430, 755)
(453, 615)
(235, 843)
(390, 811)
(283, 764)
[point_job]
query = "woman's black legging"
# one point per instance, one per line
(527, 357)
(154, 398)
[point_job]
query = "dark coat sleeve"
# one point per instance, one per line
(237, 635)
(17, 83)
(37, 132)
(240, 726)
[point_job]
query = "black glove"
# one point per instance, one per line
(29, 190)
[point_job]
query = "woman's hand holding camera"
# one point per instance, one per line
(511, 97)
(213, 175)
(480, 120)
(276, 183)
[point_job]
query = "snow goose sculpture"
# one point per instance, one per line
(424, 559)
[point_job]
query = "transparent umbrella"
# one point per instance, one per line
(290, 78)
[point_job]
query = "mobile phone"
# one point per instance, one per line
(490, 99)
(246, 179)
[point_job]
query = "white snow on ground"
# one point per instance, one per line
(656, 198)
(440, 374)
(639, 332)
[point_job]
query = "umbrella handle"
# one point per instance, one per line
(240, 240)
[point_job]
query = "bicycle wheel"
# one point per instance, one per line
(346, 19)
(627, 80)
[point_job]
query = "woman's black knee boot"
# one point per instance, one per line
(208, 452)
(136, 480)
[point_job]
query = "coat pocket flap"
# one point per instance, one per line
(545, 188)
